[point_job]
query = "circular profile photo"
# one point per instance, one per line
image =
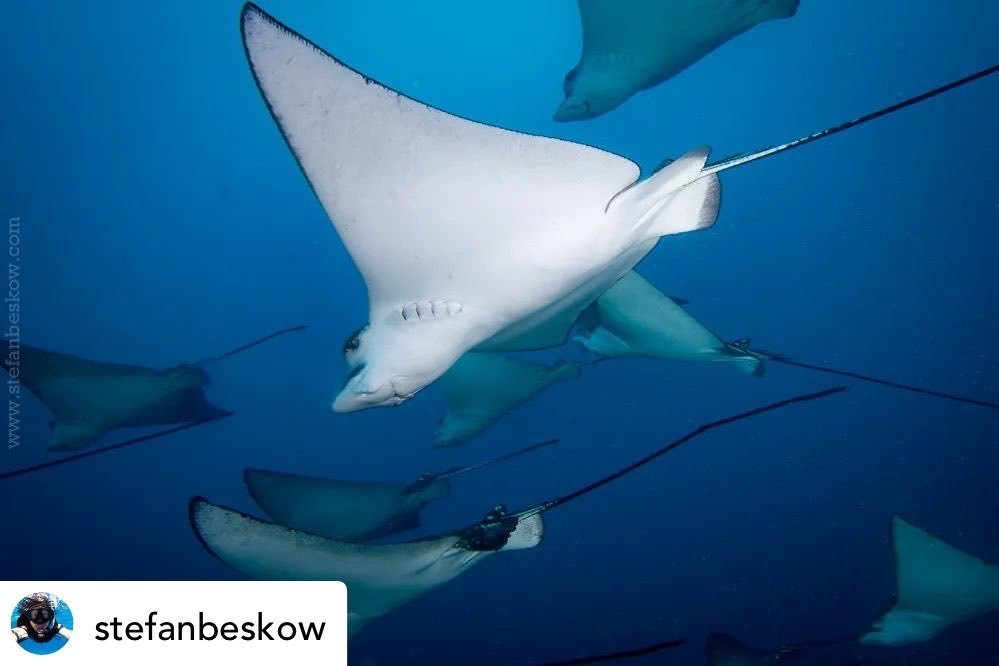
(41, 623)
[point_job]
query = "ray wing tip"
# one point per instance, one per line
(251, 8)
(253, 12)
(194, 507)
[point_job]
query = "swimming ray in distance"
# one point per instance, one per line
(635, 319)
(379, 577)
(383, 577)
(632, 45)
(467, 235)
(356, 511)
(89, 398)
(937, 586)
(482, 387)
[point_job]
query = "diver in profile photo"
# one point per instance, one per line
(36, 622)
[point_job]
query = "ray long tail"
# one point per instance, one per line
(699, 430)
(747, 158)
(254, 343)
(455, 471)
(778, 358)
(112, 447)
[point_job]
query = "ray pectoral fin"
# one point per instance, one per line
(354, 137)
(602, 342)
(71, 435)
(253, 547)
(379, 577)
(937, 586)
(356, 622)
(778, 9)
(198, 510)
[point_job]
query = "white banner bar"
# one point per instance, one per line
(124, 623)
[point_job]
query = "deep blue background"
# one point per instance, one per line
(164, 220)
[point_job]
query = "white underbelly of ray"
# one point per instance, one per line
(523, 334)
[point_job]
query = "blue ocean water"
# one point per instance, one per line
(162, 219)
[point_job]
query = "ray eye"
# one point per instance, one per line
(354, 341)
